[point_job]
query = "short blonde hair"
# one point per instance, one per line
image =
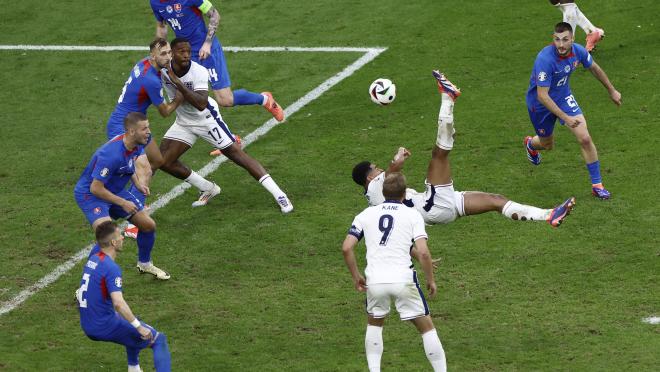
(394, 186)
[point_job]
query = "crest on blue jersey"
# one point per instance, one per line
(104, 172)
(542, 76)
(118, 282)
(169, 9)
(567, 68)
(177, 7)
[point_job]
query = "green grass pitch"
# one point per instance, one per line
(253, 290)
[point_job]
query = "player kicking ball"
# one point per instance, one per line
(440, 203)
(105, 315)
(198, 117)
(549, 98)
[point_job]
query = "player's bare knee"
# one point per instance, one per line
(585, 141)
(146, 224)
(225, 99)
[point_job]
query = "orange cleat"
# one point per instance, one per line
(593, 38)
(131, 231)
(273, 107)
(217, 152)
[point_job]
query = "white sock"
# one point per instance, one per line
(583, 21)
(373, 345)
(445, 139)
(522, 212)
(134, 368)
(263, 103)
(434, 351)
(270, 185)
(199, 182)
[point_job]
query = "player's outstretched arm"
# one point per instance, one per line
(400, 157)
(122, 308)
(348, 249)
(214, 20)
(600, 74)
(97, 188)
(423, 255)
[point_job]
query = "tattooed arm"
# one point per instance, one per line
(214, 21)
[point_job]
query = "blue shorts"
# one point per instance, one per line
(544, 121)
(123, 333)
(217, 67)
(94, 208)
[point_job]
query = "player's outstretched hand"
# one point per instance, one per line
(145, 333)
(432, 288)
(402, 154)
(129, 207)
(616, 97)
(205, 50)
(361, 284)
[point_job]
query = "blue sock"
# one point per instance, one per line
(594, 172)
(243, 97)
(95, 249)
(145, 242)
(162, 360)
(133, 355)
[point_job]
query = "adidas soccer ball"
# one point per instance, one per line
(382, 91)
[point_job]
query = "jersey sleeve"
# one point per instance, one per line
(104, 167)
(375, 190)
(201, 80)
(154, 89)
(584, 56)
(157, 14)
(542, 72)
(203, 5)
(113, 279)
(419, 228)
(357, 229)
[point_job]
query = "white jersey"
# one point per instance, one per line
(389, 230)
(375, 196)
(197, 78)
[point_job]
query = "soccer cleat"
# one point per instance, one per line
(533, 156)
(285, 204)
(593, 38)
(558, 214)
(446, 86)
(218, 152)
(273, 107)
(131, 231)
(600, 192)
(150, 268)
(205, 196)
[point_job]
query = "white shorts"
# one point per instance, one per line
(408, 299)
(441, 204)
(211, 130)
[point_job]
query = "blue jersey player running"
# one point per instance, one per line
(104, 314)
(185, 17)
(101, 190)
(549, 97)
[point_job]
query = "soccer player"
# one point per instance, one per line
(199, 116)
(549, 97)
(440, 204)
(574, 17)
(104, 314)
(100, 192)
(186, 20)
(388, 230)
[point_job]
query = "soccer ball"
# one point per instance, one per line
(382, 91)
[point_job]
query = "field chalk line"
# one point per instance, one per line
(369, 55)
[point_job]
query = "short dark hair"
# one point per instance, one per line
(104, 233)
(178, 40)
(394, 186)
(133, 118)
(563, 26)
(361, 171)
(158, 42)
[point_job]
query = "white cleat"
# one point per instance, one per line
(205, 196)
(284, 203)
(150, 268)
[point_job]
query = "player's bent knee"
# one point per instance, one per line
(144, 222)
(585, 141)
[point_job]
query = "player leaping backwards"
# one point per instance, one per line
(440, 203)
(198, 116)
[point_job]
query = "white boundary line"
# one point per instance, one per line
(652, 320)
(369, 55)
(115, 48)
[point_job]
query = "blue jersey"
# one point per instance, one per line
(113, 164)
(101, 276)
(143, 88)
(186, 20)
(553, 71)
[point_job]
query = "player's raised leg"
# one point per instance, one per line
(590, 155)
(236, 154)
(574, 16)
(172, 150)
(477, 202)
(432, 345)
